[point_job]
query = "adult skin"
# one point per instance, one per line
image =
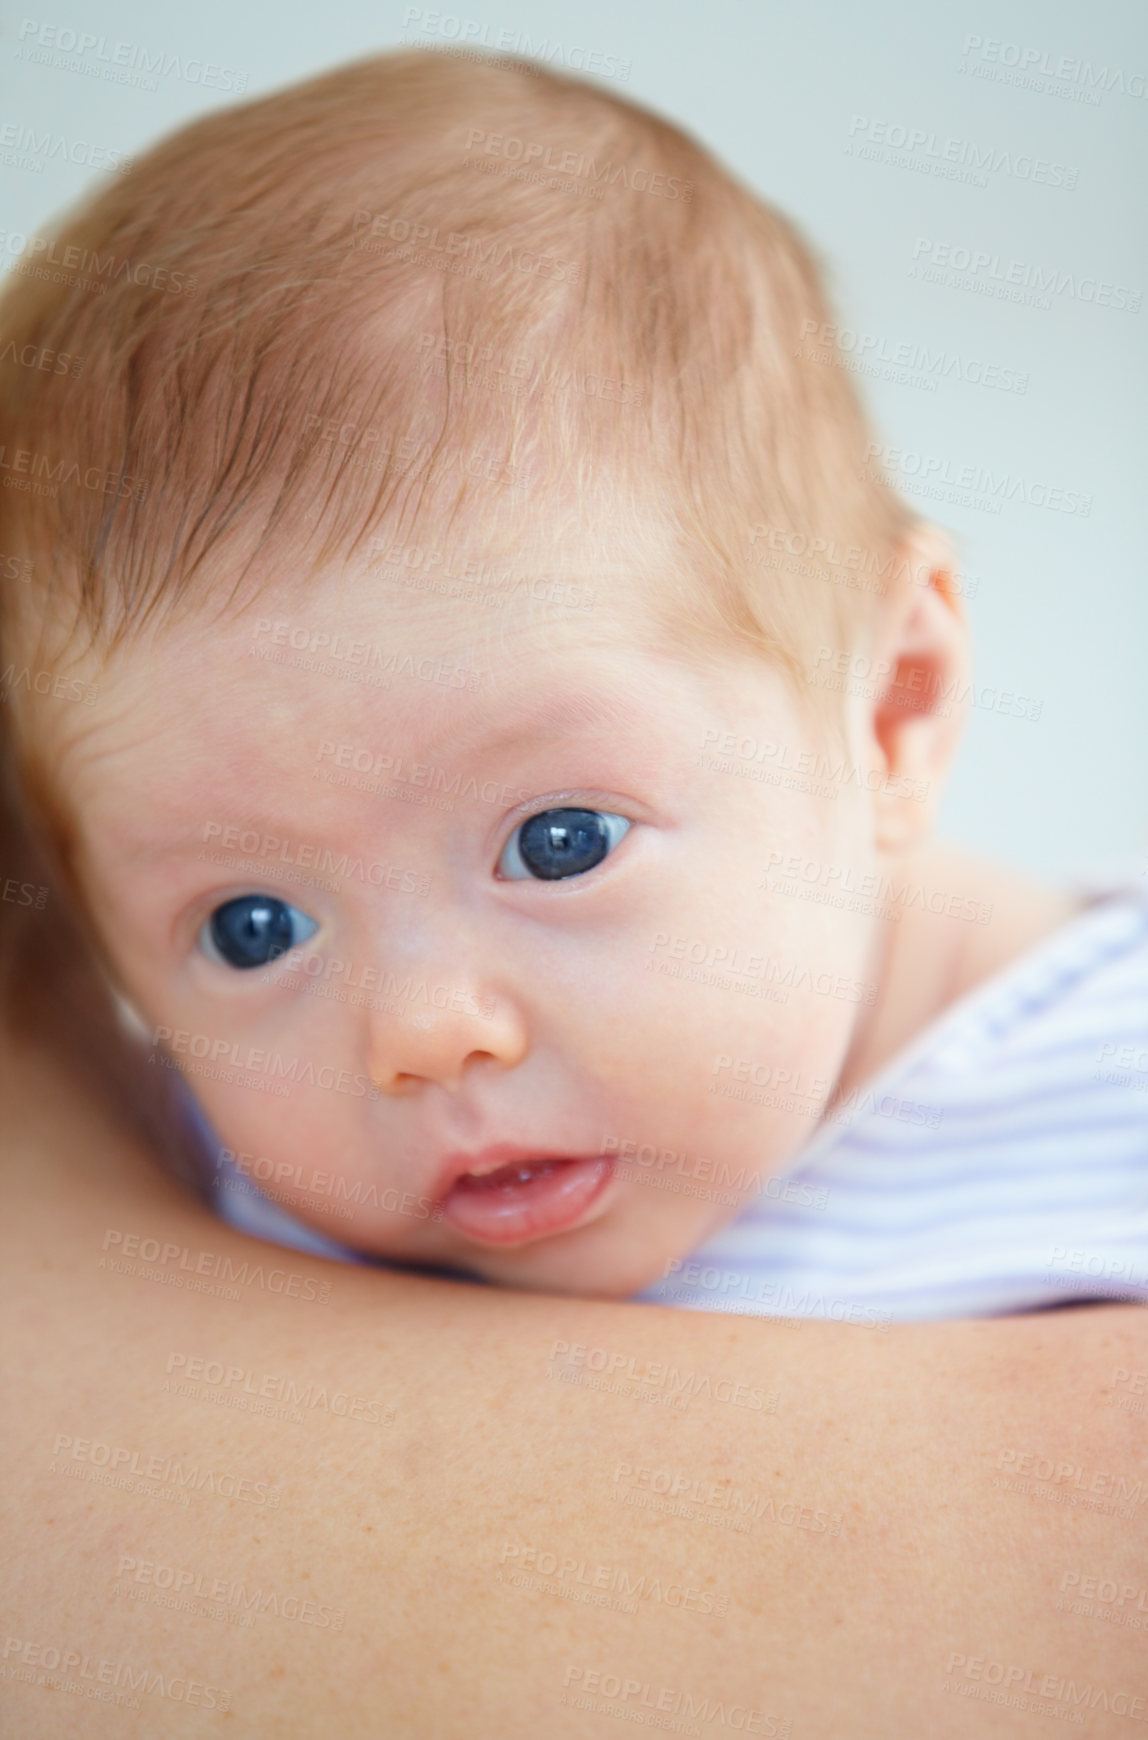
(881, 1580)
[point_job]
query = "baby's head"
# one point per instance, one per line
(435, 585)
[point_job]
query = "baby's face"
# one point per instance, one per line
(460, 886)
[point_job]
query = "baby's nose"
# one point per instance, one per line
(434, 1031)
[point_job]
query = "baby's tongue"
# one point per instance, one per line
(527, 1199)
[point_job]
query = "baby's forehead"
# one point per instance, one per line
(338, 743)
(550, 562)
(433, 647)
(381, 667)
(483, 623)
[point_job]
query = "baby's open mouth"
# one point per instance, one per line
(525, 1199)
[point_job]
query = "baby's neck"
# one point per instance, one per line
(927, 960)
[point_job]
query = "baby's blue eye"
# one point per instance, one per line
(559, 843)
(253, 930)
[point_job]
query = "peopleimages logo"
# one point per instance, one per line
(475, 32)
(620, 1695)
(1067, 1698)
(260, 1062)
(65, 48)
(258, 850)
(221, 1592)
(1025, 281)
(955, 159)
(537, 153)
(1015, 63)
(371, 230)
(919, 364)
(169, 1470)
(41, 146)
(98, 270)
(105, 1678)
(935, 473)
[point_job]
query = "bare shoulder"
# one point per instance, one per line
(1017, 912)
(321, 1499)
(955, 921)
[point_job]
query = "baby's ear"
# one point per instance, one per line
(923, 651)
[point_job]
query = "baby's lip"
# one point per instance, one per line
(508, 1195)
(490, 1158)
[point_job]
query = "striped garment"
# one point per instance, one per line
(999, 1163)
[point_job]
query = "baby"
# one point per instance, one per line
(489, 712)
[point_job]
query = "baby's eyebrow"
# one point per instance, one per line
(553, 714)
(532, 717)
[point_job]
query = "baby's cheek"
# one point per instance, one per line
(692, 1008)
(279, 1132)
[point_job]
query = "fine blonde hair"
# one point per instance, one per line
(492, 277)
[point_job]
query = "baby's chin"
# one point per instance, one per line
(548, 1278)
(627, 1245)
(591, 1263)
(578, 1264)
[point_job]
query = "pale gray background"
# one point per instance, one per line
(1061, 613)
